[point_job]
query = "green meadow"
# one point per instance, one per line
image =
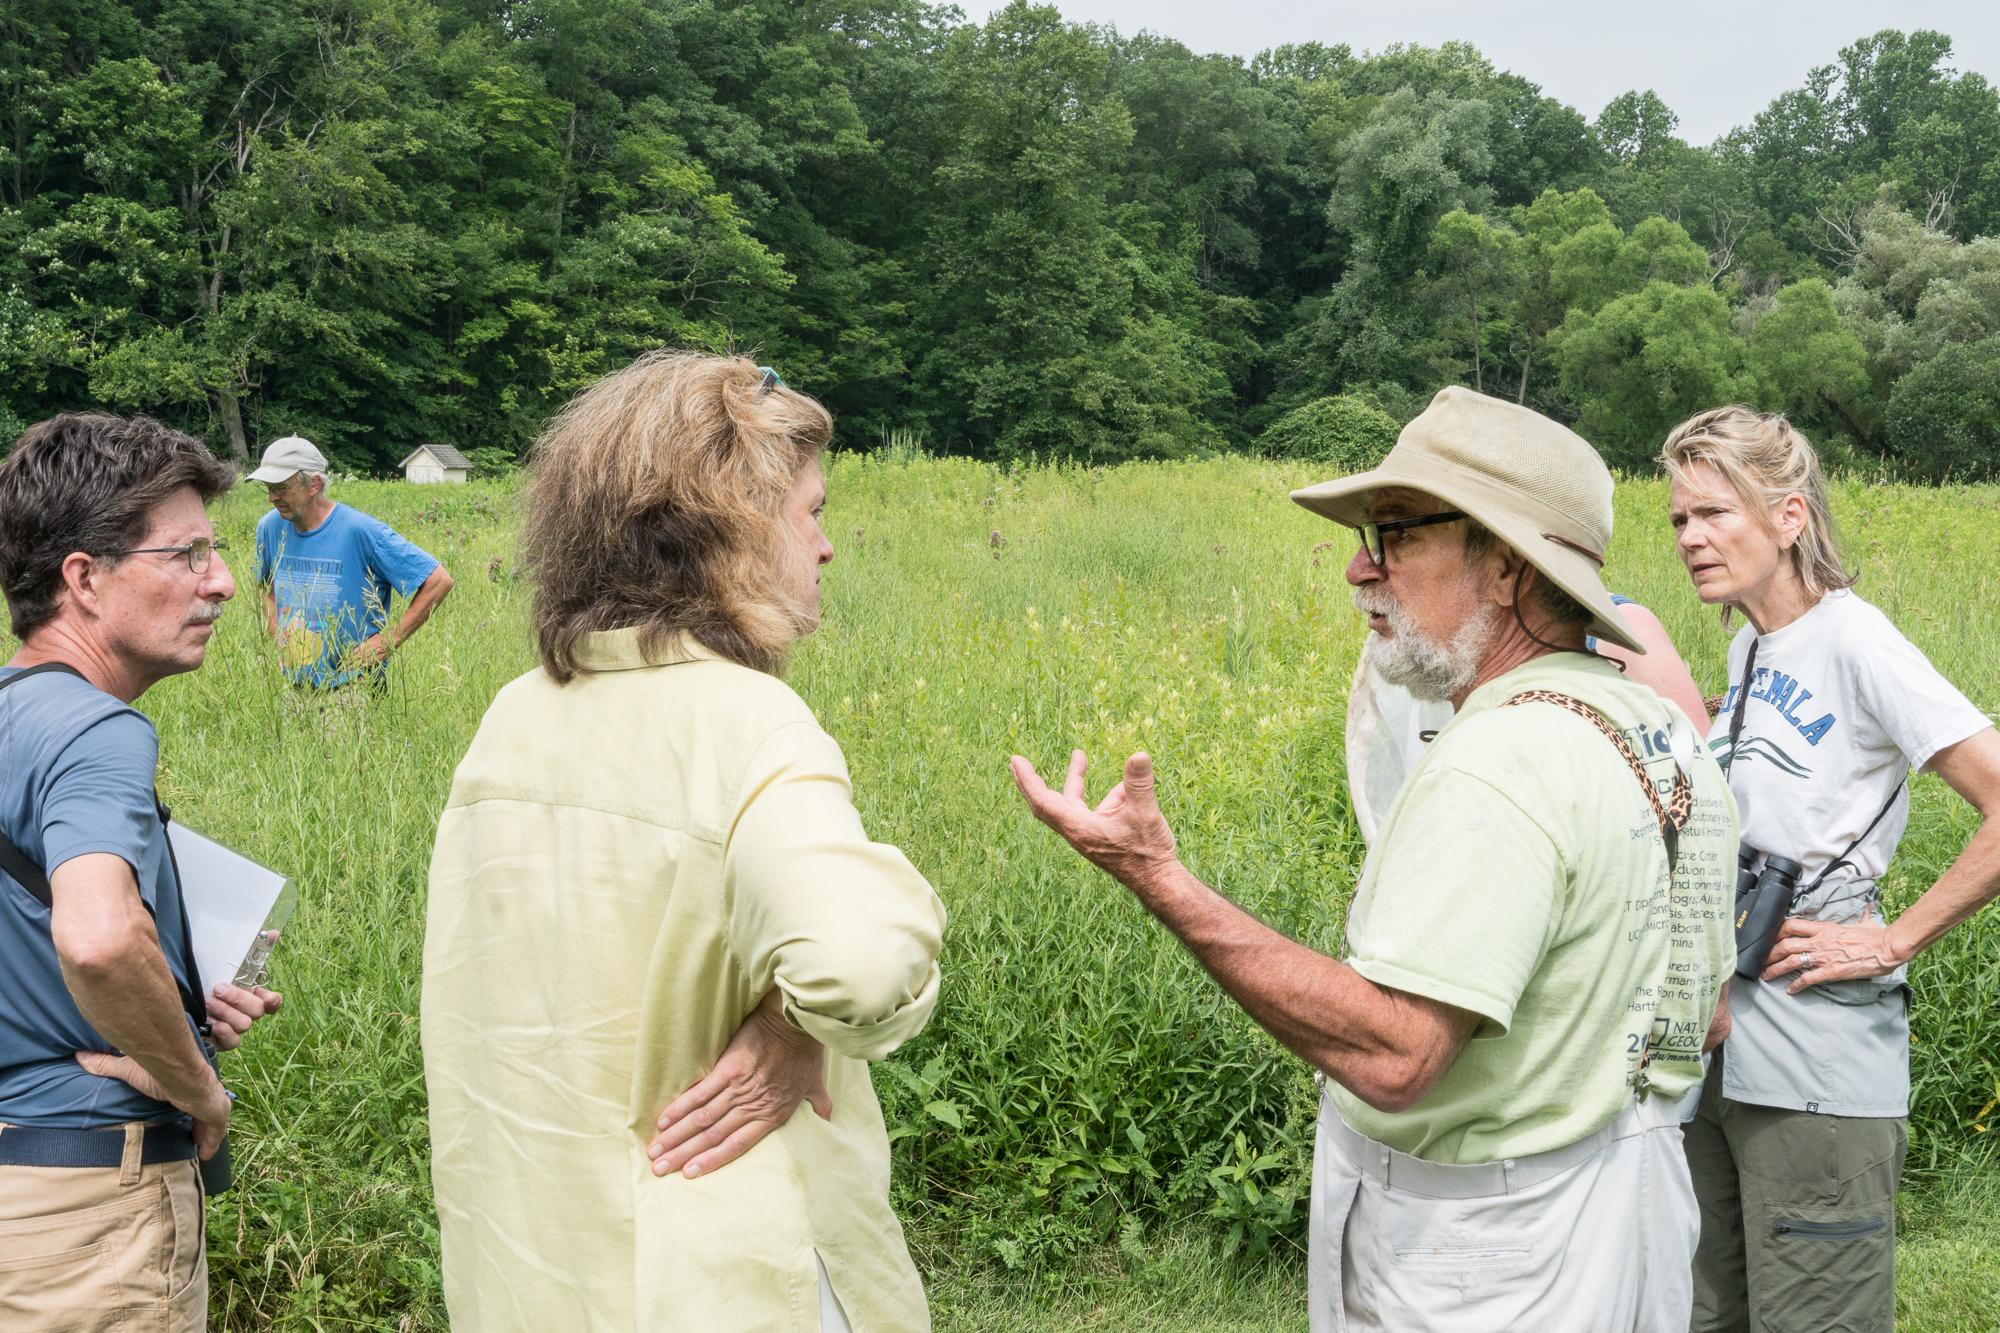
(1088, 1135)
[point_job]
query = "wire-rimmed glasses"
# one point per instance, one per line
(198, 552)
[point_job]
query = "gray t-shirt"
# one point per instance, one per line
(76, 776)
(1842, 707)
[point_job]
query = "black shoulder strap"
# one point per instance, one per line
(1848, 851)
(1742, 698)
(193, 997)
(25, 872)
(12, 859)
(1736, 730)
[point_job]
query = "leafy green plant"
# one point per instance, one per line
(1257, 1196)
(1342, 431)
(490, 462)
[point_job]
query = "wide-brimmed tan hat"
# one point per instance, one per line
(1536, 485)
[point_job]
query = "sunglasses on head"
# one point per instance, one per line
(1371, 533)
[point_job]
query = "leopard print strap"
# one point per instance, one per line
(1673, 815)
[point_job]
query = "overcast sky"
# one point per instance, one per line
(1715, 63)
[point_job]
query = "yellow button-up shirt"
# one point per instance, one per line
(626, 865)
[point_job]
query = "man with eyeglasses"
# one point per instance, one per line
(1540, 931)
(326, 571)
(108, 1090)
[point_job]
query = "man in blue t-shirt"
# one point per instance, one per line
(114, 581)
(326, 572)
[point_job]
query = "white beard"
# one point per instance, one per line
(1432, 671)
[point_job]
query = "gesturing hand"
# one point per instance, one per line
(1126, 835)
(1814, 951)
(767, 1069)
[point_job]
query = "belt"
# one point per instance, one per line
(24, 1146)
(1444, 1180)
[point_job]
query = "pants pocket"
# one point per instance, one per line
(1478, 1272)
(1453, 1257)
(1825, 1270)
(65, 1291)
(187, 1264)
(1804, 1230)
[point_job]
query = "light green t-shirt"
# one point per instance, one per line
(1520, 875)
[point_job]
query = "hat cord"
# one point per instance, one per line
(1522, 622)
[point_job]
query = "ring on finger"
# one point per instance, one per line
(1805, 962)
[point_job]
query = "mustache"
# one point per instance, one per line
(205, 613)
(1374, 601)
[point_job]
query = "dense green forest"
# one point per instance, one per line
(380, 222)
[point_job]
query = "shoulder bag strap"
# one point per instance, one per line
(12, 859)
(193, 997)
(1848, 851)
(1672, 814)
(1742, 698)
(1736, 730)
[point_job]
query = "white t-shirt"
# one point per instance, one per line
(1841, 708)
(1388, 730)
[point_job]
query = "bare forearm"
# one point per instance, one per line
(1718, 1025)
(1381, 1044)
(131, 999)
(110, 955)
(1972, 882)
(1387, 1047)
(269, 602)
(426, 601)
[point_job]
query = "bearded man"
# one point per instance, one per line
(1540, 933)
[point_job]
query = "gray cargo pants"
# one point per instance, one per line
(1798, 1217)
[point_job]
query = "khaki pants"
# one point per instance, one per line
(1798, 1217)
(89, 1250)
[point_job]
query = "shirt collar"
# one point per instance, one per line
(621, 650)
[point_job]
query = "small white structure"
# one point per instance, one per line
(436, 462)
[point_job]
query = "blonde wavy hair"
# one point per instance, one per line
(1765, 458)
(656, 501)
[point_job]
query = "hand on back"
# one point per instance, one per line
(768, 1068)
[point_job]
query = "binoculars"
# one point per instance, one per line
(1763, 901)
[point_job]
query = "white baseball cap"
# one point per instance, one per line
(288, 457)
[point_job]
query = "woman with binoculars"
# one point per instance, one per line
(1798, 1143)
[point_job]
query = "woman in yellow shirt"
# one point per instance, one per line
(659, 942)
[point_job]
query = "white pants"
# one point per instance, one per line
(832, 1319)
(1596, 1237)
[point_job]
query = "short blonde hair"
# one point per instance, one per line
(1763, 456)
(656, 500)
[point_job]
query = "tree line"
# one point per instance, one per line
(385, 222)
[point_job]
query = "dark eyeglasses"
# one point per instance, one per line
(1371, 533)
(197, 552)
(770, 382)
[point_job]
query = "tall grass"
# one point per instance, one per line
(1087, 1119)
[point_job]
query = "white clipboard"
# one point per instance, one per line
(235, 907)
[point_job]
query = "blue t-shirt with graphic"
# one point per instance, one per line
(78, 777)
(333, 586)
